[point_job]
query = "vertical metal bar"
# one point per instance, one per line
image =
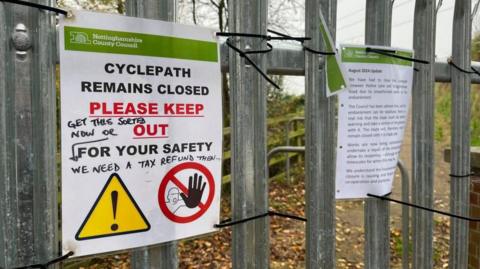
(28, 182)
(250, 241)
(377, 212)
(320, 143)
(423, 133)
(460, 165)
(405, 215)
(258, 84)
(165, 255)
(152, 9)
(5, 258)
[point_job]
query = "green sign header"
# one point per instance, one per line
(116, 42)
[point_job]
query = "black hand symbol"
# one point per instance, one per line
(195, 191)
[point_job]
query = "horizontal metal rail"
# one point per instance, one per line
(284, 149)
(289, 60)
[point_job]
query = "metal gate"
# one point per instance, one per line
(28, 179)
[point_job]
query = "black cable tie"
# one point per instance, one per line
(270, 48)
(39, 6)
(385, 198)
(303, 45)
(288, 37)
(391, 53)
(462, 176)
(475, 70)
(280, 36)
(45, 265)
(287, 216)
(317, 51)
(450, 62)
(230, 34)
(229, 222)
(266, 37)
(388, 194)
(244, 54)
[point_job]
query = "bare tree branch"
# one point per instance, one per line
(194, 12)
(475, 9)
(215, 4)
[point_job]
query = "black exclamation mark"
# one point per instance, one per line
(114, 196)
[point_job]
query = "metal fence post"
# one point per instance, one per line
(377, 212)
(28, 182)
(165, 255)
(460, 158)
(250, 241)
(320, 134)
(423, 133)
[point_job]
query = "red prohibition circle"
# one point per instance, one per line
(171, 176)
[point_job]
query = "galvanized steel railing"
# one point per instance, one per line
(28, 207)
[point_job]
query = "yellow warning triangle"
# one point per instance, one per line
(115, 212)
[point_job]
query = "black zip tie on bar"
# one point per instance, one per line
(270, 48)
(35, 5)
(450, 62)
(385, 198)
(266, 37)
(317, 51)
(475, 70)
(280, 36)
(391, 53)
(229, 222)
(303, 45)
(45, 265)
(462, 176)
(244, 54)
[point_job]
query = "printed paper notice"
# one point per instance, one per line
(372, 115)
(141, 123)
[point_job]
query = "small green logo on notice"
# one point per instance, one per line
(348, 53)
(79, 38)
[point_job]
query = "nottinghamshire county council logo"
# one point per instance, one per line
(79, 38)
(348, 52)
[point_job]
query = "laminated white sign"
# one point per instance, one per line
(141, 122)
(372, 114)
